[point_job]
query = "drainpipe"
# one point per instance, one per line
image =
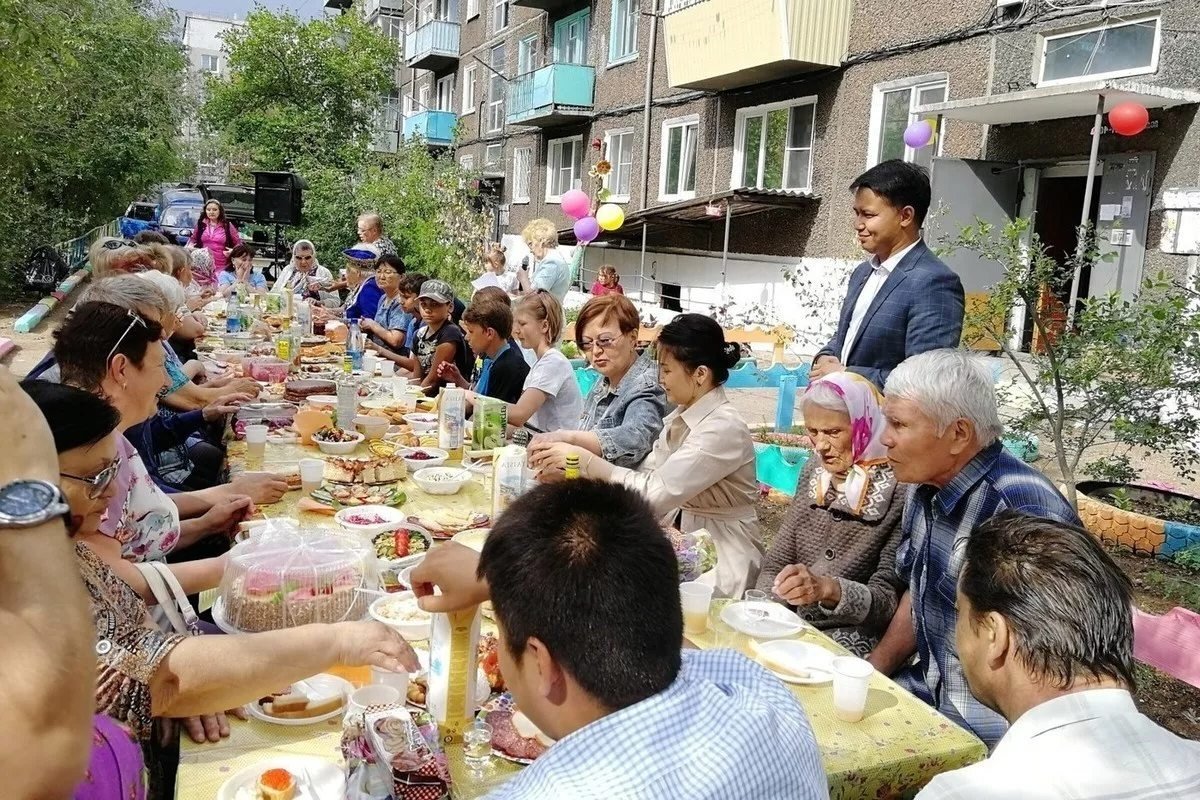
(653, 47)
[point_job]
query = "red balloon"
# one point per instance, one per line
(1129, 118)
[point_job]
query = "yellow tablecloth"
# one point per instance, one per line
(892, 752)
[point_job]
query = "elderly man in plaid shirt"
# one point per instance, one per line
(586, 594)
(943, 436)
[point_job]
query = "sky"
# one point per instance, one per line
(229, 8)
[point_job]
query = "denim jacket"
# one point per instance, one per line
(627, 421)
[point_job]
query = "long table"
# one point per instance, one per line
(898, 746)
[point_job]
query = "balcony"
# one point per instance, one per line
(745, 42)
(558, 94)
(436, 127)
(433, 46)
(545, 5)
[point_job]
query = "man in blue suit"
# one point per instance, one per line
(903, 300)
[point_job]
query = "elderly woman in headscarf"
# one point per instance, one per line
(204, 274)
(304, 274)
(834, 557)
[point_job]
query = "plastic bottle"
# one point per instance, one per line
(508, 473)
(233, 315)
(452, 416)
(354, 347)
(295, 335)
(304, 317)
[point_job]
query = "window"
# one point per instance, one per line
(472, 9)
(1104, 51)
(445, 93)
(467, 162)
(210, 64)
(493, 157)
(571, 38)
(618, 151)
(622, 40)
(527, 54)
(499, 15)
(468, 89)
(522, 172)
(423, 98)
(773, 146)
(408, 105)
(563, 167)
(892, 106)
(390, 119)
(393, 28)
(677, 179)
(496, 89)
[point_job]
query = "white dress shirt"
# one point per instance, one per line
(1090, 745)
(879, 274)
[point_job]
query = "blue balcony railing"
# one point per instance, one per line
(544, 94)
(437, 127)
(432, 45)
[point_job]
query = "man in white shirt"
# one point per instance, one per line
(1045, 637)
(903, 300)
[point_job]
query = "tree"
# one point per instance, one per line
(301, 94)
(89, 116)
(1124, 377)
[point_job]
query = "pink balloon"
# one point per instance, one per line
(586, 229)
(575, 204)
(918, 134)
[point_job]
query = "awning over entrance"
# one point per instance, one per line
(1059, 102)
(701, 212)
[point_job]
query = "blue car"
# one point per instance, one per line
(178, 212)
(138, 217)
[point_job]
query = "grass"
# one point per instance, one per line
(1175, 589)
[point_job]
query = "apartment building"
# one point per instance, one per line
(388, 17)
(202, 37)
(734, 128)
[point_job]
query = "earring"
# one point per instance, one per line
(124, 385)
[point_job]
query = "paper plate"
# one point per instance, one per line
(777, 624)
(316, 778)
(323, 683)
(800, 655)
(473, 538)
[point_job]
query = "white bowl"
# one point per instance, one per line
(323, 401)
(421, 422)
(442, 480)
(371, 427)
(340, 448)
(392, 519)
(416, 464)
(413, 630)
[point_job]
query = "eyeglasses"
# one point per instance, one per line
(134, 319)
(100, 481)
(304, 258)
(602, 343)
(117, 244)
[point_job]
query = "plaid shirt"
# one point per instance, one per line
(935, 528)
(1092, 744)
(627, 421)
(725, 728)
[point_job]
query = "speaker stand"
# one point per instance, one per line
(279, 261)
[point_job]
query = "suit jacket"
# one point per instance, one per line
(918, 308)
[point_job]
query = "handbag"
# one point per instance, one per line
(174, 612)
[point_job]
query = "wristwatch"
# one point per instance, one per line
(29, 503)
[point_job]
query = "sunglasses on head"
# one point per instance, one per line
(98, 482)
(117, 244)
(134, 319)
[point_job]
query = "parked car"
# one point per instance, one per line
(138, 217)
(178, 211)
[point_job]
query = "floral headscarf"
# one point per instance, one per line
(202, 268)
(864, 404)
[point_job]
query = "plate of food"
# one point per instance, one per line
(795, 662)
(418, 685)
(446, 522)
(342, 495)
(286, 777)
(514, 736)
(401, 612)
(402, 547)
(762, 620)
(305, 702)
(473, 538)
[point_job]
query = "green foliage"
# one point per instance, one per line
(1119, 498)
(89, 113)
(301, 92)
(1188, 558)
(1123, 378)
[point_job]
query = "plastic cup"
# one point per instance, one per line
(369, 360)
(396, 680)
(256, 441)
(851, 680)
(376, 694)
(312, 472)
(386, 368)
(477, 745)
(695, 598)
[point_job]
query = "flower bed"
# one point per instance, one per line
(1129, 516)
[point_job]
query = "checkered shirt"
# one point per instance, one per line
(936, 525)
(725, 728)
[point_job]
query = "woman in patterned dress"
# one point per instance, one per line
(834, 558)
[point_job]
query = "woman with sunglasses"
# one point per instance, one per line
(304, 274)
(623, 413)
(217, 235)
(145, 674)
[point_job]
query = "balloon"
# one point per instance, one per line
(586, 229)
(918, 134)
(575, 204)
(1129, 118)
(610, 216)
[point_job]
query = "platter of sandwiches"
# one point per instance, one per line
(305, 702)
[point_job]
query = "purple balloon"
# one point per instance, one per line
(918, 134)
(586, 229)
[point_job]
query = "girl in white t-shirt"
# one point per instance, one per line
(551, 400)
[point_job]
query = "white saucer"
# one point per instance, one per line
(777, 624)
(327, 778)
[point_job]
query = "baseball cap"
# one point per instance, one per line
(439, 291)
(366, 252)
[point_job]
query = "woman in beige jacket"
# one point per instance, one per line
(702, 466)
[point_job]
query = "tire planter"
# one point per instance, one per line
(1144, 535)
